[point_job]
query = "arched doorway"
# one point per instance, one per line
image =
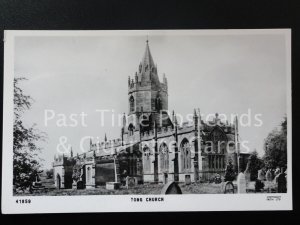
(58, 181)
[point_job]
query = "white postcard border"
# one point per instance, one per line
(123, 203)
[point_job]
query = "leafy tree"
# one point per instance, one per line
(276, 146)
(254, 164)
(49, 173)
(25, 158)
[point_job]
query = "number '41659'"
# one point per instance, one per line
(23, 201)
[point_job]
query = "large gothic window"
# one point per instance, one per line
(216, 157)
(131, 104)
(218, 140)
(185, 155)
(146, 160)
(164, 157)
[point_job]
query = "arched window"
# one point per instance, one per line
(146, 160)
(218, 139)
(164, 157)
(131, 103)
(185, 155)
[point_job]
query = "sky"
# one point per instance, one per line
(225, 74)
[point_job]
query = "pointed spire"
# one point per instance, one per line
(105, 138)
(147, 59)
(195, 114)
(71, 152)
(147, 68)
(173, 116)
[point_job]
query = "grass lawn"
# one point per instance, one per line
(145, 189)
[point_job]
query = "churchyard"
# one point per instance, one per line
(145, 189)
(141, 189)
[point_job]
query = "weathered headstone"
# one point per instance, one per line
(112, 185)
(80, 185)
(269, 180)
(130, 182)
(261, 175)
(228, 187)
(269, 176)
(188, 179)
(241, 183)
(171, 188)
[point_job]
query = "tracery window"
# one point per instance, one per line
(164, 157)
(185, 155)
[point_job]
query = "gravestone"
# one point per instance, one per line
(188, 179)
(281, 182)
(269, 176)
(228, 187)
(261, 175)
(80, 185)
(171, 188)
(269, 180)
(112, 185)
(130, 182)
(241, 183)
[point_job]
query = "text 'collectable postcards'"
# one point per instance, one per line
(152, 120)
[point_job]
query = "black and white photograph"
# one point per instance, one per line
(141, 119)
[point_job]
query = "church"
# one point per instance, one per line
(152, 146)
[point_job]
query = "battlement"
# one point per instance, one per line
(62, 160)
(135, 85)
(161, 132)
(105, 145)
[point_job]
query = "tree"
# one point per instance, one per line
(276, 147)
(49, 173)
(254, 164)
(26, 164)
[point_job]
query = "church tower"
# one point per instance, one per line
(147, 96)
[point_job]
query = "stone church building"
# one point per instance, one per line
(152, 146)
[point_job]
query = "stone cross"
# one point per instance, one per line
(241, 183)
